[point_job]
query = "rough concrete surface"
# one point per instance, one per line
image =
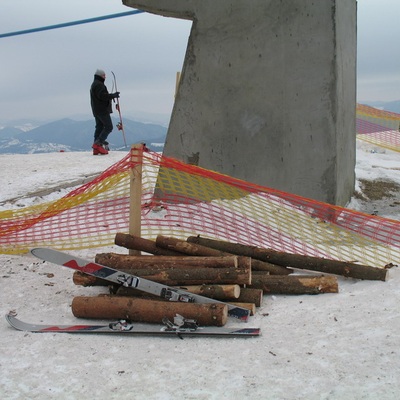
(267, 92)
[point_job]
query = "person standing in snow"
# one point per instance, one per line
(100, 101)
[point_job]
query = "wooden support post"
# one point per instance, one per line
(177, 81)
(135, 209)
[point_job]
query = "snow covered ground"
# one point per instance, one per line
(330, 346)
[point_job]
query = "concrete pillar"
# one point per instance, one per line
(268, 92)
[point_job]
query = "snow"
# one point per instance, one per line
(29, 174)
(329, 346)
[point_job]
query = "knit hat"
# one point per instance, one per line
(99, 72)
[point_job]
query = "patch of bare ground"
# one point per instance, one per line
(379, 197)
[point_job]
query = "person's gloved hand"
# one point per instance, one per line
(115, 95)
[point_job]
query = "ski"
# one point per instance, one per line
(128, 280)
(120, 125)
(180, 327)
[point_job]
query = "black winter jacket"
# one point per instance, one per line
(100, 99)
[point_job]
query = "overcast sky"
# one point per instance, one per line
(47, 75)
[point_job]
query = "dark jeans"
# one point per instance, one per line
(104, 127)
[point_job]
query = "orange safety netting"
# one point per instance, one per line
(181, 200)
(378, 127)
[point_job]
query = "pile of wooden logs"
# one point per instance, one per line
(227, 272)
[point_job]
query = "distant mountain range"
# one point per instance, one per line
(393, 106)
(25, 137)
(69, 135)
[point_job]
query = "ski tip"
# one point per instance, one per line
(35, 251)
(14, 322)
(38, 252)
(43, 252)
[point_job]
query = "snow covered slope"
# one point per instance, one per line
(341, 346)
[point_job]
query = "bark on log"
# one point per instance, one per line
(123, 261)
(194, 249)
(132, 242)
(184, 247)
(217, 292)
(143, 310)
(295, 284)
(178, 277)
(81, 279)
(347, 269)
(258, 265)
(251, 295)
(126, 292)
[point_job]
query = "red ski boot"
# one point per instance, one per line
(98, 149)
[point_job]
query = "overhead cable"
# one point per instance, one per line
(63, 25)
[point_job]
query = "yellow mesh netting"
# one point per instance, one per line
(378, 127)
(183, 200)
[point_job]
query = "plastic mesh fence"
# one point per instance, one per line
(378, 127)
(183, 200)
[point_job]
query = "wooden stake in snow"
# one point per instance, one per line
(135, 210)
